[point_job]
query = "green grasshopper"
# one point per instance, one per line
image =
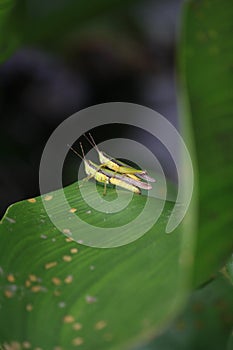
(107, 176)
(118, 166)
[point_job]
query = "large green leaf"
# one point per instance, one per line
(229, 269)
(206, 322)
(206, 69)
(55, 292)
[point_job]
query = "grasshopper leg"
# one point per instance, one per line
(87, 178)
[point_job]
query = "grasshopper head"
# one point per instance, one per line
(103, 157)
(88, 167)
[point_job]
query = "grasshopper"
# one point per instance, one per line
(118, 166)
(107, 176)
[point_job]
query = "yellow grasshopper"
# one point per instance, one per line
(118, 166)
(107, 176)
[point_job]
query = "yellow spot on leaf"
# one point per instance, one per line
(29, 307)
(32, 200)
(69, 239)
(11, 278)
(14, 345)
(36, 289)
(32, 278)
(74, 250)
(77, 326)
(67, 258)
(68, 279)
(77, 341)
(56, 281)
(27, 283)
(8, 293)
(67, 231)
(68, 319)
(50, 265)
(26, 345)
(100, 325)
(48, 198)
(72, 210)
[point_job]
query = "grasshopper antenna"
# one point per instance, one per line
(91, 143)
(72, 149)
(91, 140)
(81, 146)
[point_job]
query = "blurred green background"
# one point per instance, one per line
(62, 56)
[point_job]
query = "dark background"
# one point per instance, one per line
(123, 55)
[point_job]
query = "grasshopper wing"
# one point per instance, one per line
(134, 182)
